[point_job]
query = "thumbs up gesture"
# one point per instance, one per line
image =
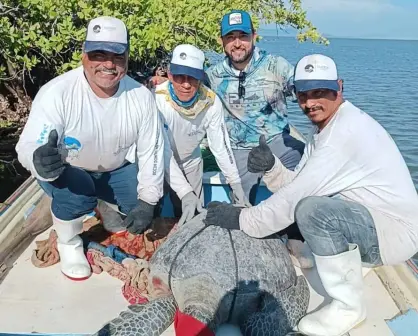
(260, 159)
(47, 160)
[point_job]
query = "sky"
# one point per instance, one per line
(388, 19)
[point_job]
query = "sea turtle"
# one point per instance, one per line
(219, 276)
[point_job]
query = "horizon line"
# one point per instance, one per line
(260, 32)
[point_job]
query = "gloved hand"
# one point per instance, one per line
(223, 214)
(139, 219)
(190, 203)
(238, 195)
(260, 159)
(46, 158)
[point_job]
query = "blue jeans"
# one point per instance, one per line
(330, 224)
(76, 191)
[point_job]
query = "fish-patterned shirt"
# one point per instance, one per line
(262, 109)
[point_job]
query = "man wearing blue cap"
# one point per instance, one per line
(191, 111)
(351, 195)
(94, 133)
(253, 87)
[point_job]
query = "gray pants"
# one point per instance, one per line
(329, 224)
(194, 176)
(289, 150)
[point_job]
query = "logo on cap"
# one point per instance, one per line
(96, 29)
(323, 67)
(183, 55)
(235, 18)
(309, 68)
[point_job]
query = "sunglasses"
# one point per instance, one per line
(241, 88)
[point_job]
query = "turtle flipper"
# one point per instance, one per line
(150, 319)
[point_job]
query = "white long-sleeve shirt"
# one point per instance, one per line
(184, 136)
(96, 134)
(355, 157)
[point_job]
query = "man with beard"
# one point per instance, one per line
(351, 195)
(253, 87)
(80, 142)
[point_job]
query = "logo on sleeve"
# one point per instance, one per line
(43, 136)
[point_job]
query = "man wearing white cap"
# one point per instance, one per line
(80, 139)
(190, 111)
(352, 197)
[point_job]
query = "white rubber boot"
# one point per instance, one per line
(300, 254)
(342, 278)
(74, 264)
(111, 217)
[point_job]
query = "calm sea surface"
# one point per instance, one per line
(380, 77)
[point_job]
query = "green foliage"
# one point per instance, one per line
(43, 38)
(5, 123)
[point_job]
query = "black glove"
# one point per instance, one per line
(260, 159)
(223, 214)
(46, 159)
(140, 218)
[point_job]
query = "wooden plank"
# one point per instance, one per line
(22, 234)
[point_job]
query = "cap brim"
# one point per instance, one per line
(246, 30)
(307, 85)
(113, 47)
(177, 69)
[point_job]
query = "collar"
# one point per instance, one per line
(183, 104)
(204, 99)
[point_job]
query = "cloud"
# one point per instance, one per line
(362, 7)
(362, 18)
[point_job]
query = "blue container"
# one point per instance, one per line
(215, 188)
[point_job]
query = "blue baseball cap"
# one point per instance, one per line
(236, 20)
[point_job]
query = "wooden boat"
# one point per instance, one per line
(43, 301)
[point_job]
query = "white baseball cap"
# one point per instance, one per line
(316, 72)
(188, 60)
(108, 34)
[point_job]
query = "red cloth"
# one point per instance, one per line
(186, 325)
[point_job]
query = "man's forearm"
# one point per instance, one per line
(278, 176)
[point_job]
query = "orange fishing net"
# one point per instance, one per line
(132, 271)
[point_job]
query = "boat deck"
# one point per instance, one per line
(42, 300)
